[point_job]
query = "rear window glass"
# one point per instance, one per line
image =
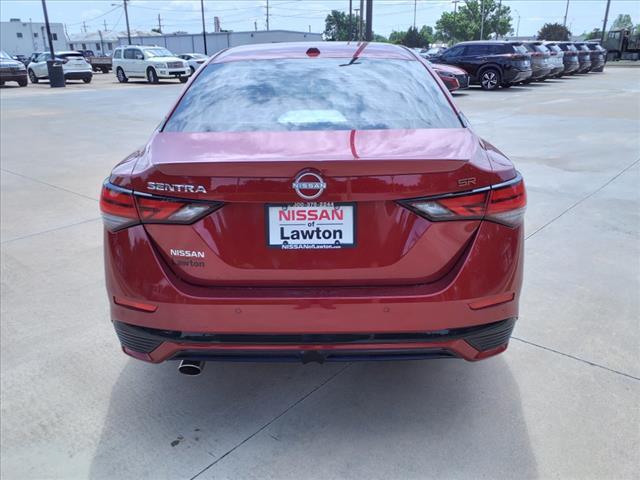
(520, 48)
(313, 94)
(555, 48)
(541, 48)
(117, 54)
(69, 55)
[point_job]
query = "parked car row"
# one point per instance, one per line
(494, 64)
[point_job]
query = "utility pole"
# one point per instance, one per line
(350, 20)
(498, 19)
(361, 25)
(204, 32)
(84, 26)
(518, 27)
(255, 25)
(481, 20)
(267, 15)
(159, 24)
(369, 25)
(455, 19)
(357, 10)
(415, 5)
(126, 16)
(104, 22)
(566, 10)
(101, 43)
(604, 24)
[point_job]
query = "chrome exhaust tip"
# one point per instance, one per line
(191, 367)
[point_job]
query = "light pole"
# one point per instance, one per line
(518, 27)
(55, 72)
(481, 19)
(566, 10)
(604, 24)
(415, 5)
(369, 25)
(204, 32)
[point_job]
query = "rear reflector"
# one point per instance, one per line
(144, 307)
(122, 208)
(504, 203)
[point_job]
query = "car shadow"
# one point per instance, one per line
(144, 82)
(457, 418)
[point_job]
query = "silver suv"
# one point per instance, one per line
(152, 63)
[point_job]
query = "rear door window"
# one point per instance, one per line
(318, 94)
(117, 54)
(473, 50)
(454, 52)
(130, 53)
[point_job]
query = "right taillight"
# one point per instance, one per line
(507, 203)
(504, 203)
(122, 208)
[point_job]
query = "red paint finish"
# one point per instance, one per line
(215, 273)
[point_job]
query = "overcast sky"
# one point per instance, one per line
(584, 15)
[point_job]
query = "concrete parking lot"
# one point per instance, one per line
(562, 402)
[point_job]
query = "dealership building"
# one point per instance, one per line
(18, 37)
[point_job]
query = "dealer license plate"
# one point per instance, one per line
(311, 226)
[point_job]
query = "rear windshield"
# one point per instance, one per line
(541, 48)
(555, 48)
(520, 48)
(69, 55)
(313, 94)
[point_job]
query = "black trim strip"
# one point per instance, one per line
(478, 333)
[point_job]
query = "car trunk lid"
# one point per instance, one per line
(365, 173)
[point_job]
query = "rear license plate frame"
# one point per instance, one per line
(282, 246)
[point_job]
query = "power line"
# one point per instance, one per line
(94, 18)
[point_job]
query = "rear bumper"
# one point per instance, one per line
(584, 67)
(78, 75)
(471, 343)
(482, 287)
(571, 67)
(13, 77)
(516, 76)
(540, 72)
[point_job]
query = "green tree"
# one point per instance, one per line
(427, 35)
(595, 34)
(622, 21)
(554, 31)
(413, 38)
(467, 23)
(336, 26)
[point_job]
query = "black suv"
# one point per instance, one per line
(490, 63)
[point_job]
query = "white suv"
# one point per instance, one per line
(152, 63)
(74, 67)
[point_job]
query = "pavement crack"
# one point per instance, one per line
(49, 184)
(281, 414)
(588, 362)
(574, 205)
(29, 235)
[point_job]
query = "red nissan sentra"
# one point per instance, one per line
(313, 202)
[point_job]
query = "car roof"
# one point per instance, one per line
(485, 42)
(325, 49)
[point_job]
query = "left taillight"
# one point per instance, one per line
(122, 208)
(504, 203)
(118, 207)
